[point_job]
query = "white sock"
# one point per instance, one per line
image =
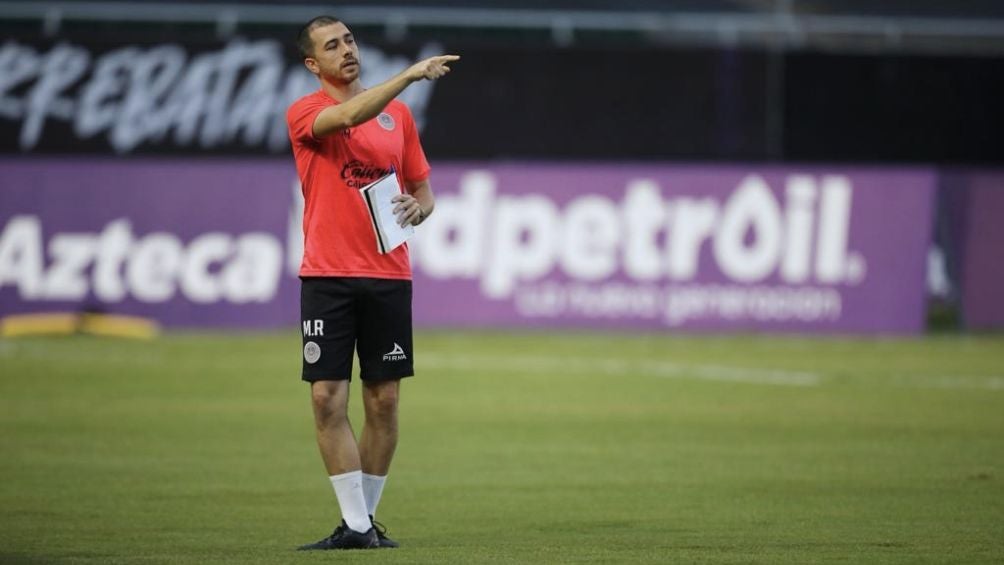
(349, 491)
(372, 489)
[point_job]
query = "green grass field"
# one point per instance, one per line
(516, 448)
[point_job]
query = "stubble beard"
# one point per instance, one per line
(340, 76)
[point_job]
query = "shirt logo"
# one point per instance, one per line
(396, 354)
(386, 121)
(358, 174)
(312, 352)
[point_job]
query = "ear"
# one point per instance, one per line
(311, 64)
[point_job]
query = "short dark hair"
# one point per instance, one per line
(303, 41)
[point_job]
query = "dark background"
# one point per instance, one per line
(632, 96)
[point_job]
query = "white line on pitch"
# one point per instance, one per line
(615, 366)
(618, 366)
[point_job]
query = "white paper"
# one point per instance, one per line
(378, 195)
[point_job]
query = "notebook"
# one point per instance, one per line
(378, 194)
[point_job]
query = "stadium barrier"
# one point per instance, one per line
(615, 246)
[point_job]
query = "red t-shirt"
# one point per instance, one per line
(338, 235)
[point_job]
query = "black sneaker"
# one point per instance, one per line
(381, 532)
(345, 537)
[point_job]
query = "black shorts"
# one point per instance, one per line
(342, 314)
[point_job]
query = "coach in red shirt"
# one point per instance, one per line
(345, 136)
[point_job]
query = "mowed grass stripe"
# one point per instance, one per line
(516, 448)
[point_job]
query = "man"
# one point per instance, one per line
(344, 137)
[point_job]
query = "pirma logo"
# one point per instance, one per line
(311, 352)
(396, 354)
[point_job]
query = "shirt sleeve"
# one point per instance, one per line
(300, 118)
(415, 167)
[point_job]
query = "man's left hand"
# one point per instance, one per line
(407, 210)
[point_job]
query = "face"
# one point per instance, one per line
(336, 55)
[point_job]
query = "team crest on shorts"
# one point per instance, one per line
(311, 352)
(386, 121)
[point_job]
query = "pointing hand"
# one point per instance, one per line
(432, 68)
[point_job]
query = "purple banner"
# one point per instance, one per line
(190, 243)
(975, 205)
(689, 248)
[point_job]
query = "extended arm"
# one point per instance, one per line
(367, 104)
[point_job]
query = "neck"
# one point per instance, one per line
(341, 91)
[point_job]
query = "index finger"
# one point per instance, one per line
(447, 58)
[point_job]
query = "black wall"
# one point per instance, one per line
(931, 109)
(527, 101)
